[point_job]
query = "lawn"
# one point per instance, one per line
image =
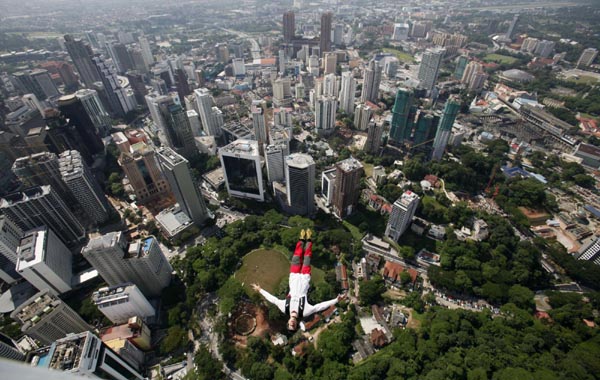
(368, 169)
(402, 56)
(583, 79)
(499, 58)
(267, 267)
(417, 242)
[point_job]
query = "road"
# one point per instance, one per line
(255, 49)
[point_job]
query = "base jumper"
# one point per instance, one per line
(295, 305)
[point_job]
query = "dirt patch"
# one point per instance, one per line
(248, 320)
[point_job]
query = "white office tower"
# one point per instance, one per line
(95, 110)
(400, 32)
(347, 93)
(239, 68)
(282, 117)
(529, 44)
(313, 65)
(328, 184)
(177, 171)
(282, 92)
(362, 116)
(430, 67)
(371, 82)
(243, 175)
(141, 262)
(84, 187)
(260, 127)
(121, 302)
(329, 63)
(338, 34)
(374, 134)
(86, 356)
(117, 97)
(154, 102)
(274, 158)
(325, 110)
(390, 68)
(10, 238)
(300, 183)
(330, 85)
(209, 115)
(587, 57)
(472, 68)
(146, 51)
(31, 101)
(46, 318)
(195, 123)
(544, 48)
(402, 214)
(41, 206)
(590, 251)
(44, 261)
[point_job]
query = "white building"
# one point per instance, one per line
(195, 123)
(402, 214)
(208, 115)
(300, 183)
(259, 124)
(347, 93)
(121, 302)
(590, 251)
(274, 157)
(371, 82)
(239, 68)
(44, 261)
(400, 32)
(328, 184)
(10, 238)
(362, 116)
(243, 175)
(325, 112)
(430, 66)
(587, 57)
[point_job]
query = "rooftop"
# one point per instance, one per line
(241, 146)
(173, 220)
(70, 164)
(169, 156)
(34, 308)
(19, 197)
(299, 160)
(108, 294)
(349, 164)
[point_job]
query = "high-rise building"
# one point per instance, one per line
(401, 115)
(146, 51)
(117, 98)
(194, 120)
(9, 349)
(587, 57)
(239, 67)
(87, 356)
(243, 175)
(472, 68)
(511, 29)
(282, 117)
(81, 54)
(347, 93)
(529, 44)
(178, 174)
(425, 128)
(95, 110)
(37, 82)
(329, 63)
(430, 66)
(41, 169)
(208, 116)
(75, 111)
(544, 48)
(274, 158)
(259, 124)
(10, 238)
(445, 128)
(328, 185)
(374, 133)
(325, 41)
(84, 187)
(154, 101)
(362, 116)
(121, 302)
(330, 86)
(461, 65)
(178, 130)
(338, 34)
(44, 261)
(137, 84)
(289, 26)
(325, 112)
(371, 82)
(39, 206)
(402, 214)
(300, 183)
(400, 32)
(141, 262)
(282, 92)
(46, 318)
(346, 191)
(144, 174)
(590, 251)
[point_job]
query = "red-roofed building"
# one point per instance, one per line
(299, 350)
(378, 338)
(307, 326)
(328, 313)
(392, 273)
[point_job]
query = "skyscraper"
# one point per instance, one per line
(39, 206)
(289, 26)
(46, 318)
(10, 238)
(331, 85)
(300, 183)
(81, 55)
(177, 171)
(84, 187)
(371, 82)
(208, 117)
(329, 63)
(274, 158)
(95, 110)
(146, 51)
(362, 116)
(461, 65)
(87, 356)
(121, 302)
(325, 111)
(430, 66)
(347, 93)
(403, 211)
(178, 130)
(141, 262)
(144, 174)
(402, 122)
(511, 28)
(37, 82)
(374, 133)
(445, 128)
(346, 190)
(44, 261)
(587, 57)
(243, 175)
(74, 110)
(325, 42)
(260, 127)
(41, 169)
(118, 101)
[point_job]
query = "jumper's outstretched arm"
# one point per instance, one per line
(269, 297)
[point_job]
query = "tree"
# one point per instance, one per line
(371, 290)
(176, 339)
(206, 366)
(521, 296)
